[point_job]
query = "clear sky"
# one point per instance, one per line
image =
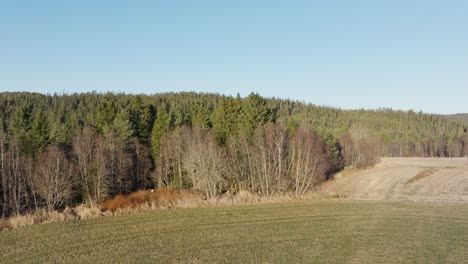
(406, 54)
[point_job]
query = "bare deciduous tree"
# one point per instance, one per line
(205, 163)
(118, 164)
(15, 188)
(54, 178)
(91, 161)
(270, 158)
(308, 160)
(141, 166)
(361, 149)
(169, 167)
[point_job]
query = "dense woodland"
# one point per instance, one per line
(63, 150)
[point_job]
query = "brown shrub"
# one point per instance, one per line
(3, 224)
(139, 198)
(161, 198)
(120, 201)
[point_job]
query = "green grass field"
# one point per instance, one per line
(328, 231)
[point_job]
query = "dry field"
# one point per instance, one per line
(434, 180)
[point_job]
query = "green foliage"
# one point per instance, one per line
(225, 118)
(105, 116)
(334, 152)
(201, 115)
(161, 126)
(292, 126)
(61, 134)
(141, 118)
(401, 133)
(179, 117)
(255, 112)
(20, 123)
(39, 133)
(121, 126)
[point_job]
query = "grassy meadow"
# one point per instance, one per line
(320, 231)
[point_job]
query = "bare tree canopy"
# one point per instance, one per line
(54, 178)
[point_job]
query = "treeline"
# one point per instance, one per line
(399, 133)
(458, 118)
(59, 150)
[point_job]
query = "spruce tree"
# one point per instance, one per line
(161, 126)
(39, 133)
(21, 122)
(179, 116)
(255, 112)
(121, 126)
(141, 119)
(105, 115)
(61, 133)
(146, 122)
(225, 119)
(20, 125)
(201, 115)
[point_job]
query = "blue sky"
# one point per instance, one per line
(348, 54)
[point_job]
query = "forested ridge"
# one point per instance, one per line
(458, 118)
(59, 150)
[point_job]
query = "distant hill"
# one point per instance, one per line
(458, 117)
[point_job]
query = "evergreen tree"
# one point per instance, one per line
(178, 116)
(61, 133)
(255, 112)
(145, 125)
(39, 133)
(121, 127)
(225, 119)
(334, 152)
(201, 115)
(21, 122)
(160, 127)
(105, 115)
(141, 119)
